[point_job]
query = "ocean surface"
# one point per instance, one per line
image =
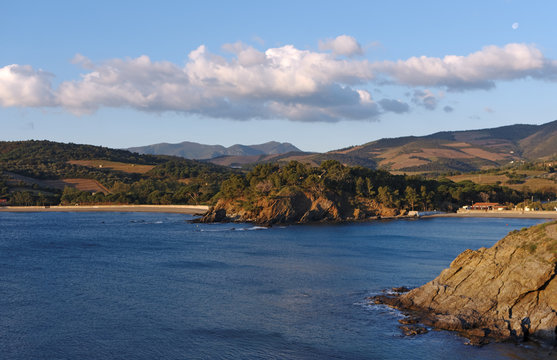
(153, 286)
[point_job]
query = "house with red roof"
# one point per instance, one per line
(487, 206)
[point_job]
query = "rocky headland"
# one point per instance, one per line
(297, 207)
(506, 292)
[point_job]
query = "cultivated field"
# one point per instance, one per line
(402, 157)
(489, 179)
(535, 180)
(113, 165)
(79, 184)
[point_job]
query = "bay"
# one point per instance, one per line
(146, 286)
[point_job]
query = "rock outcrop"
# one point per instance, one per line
(296, 208)
(506, 292)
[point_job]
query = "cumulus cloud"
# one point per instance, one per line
(21, 85)
(478, 70)
(425, 98)
(280, 82)
(342, 45)
(393, 105)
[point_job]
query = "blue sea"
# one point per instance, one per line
(153, 286)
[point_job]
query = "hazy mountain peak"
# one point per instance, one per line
(193, 150)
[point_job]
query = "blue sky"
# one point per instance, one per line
(321, 75)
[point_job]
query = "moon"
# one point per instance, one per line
(515, 26)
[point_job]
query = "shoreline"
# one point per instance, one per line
(201, 209)
(499, 214)
(178, 209)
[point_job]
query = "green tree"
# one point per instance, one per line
(385, 196)
(411, 196)
(233, 187)
(361, 188)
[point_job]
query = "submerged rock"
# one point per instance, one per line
(506, 292)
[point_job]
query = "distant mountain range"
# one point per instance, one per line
(465, 151)
(192, 150)
(446, 151)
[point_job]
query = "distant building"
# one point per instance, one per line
(487, 206)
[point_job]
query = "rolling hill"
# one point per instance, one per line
(446, 151)
(46, 173)
(196, 151)
(461, 150)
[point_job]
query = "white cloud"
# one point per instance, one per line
(342, 45)
(21, 85)
(281, 82)
(478, 70)
(137, 83)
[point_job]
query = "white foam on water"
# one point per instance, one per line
(217, 230)
(252, 228)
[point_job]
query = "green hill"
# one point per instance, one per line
(45, 172)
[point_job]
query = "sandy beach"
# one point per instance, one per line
(180, 209)
(201, 209)
(501, 214)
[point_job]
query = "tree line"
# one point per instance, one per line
(331, 177)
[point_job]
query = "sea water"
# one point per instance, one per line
(153, 286)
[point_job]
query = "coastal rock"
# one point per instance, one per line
(295, 208)
(218, 215)
(506, 292)
(411, 330)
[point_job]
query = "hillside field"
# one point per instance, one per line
(114, 166)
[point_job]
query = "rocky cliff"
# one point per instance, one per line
(297, 207)
(506, 292)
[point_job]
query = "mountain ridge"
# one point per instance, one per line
(440, 152)
(448, 151)
(197, 151)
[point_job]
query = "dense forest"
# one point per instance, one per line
(332, 179)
